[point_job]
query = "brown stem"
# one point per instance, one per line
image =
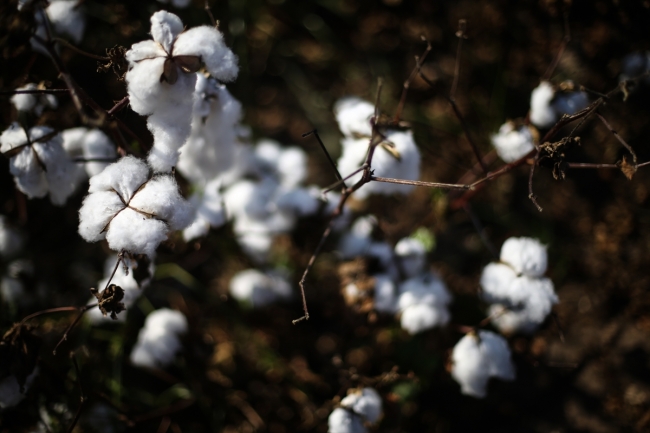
(618, 137)
(531, 195)
(80, 51)
(327, 154)
(420, 183)
(33, 92)
(407, 84)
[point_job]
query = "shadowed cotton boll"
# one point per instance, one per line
(634, 65)
(210, 211)
(159, 339)
(39, 167)
(385, 294)
(353, 116)
(213, 144)
(33, 102)
(10, 393)
(423, 302)
(477, 358)
(411, 256)
(11, 241)
(161, 80)
(570, 102)
(343, 420)
(542, 113)
(526, 256)
(130, 210)
(89, 144)
(260, 288)
(68, 18)
(358, 407)
(512, 143)
(357, 240)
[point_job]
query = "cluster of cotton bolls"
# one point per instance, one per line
(359, 408)
(521, 297)
(159, 339)
(396, 156)
(403, 284)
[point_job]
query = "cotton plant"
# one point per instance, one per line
(124, 278)
(213, 144)
(520, 296)
(396, 156)
(513, 142)
(260, 288)
(548, 104)
(359, 408)
(131, 209)
(39, 163)
(159, 340)
(162, 78)
(476, 358)
(33, 102)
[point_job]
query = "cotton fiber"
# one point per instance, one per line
(159, 339)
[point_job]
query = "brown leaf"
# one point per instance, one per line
(188, 64)
(109, 300)
(170, 73)
(627, 168)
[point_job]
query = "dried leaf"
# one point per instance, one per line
(170, 73)
(109, 300)
(627, 168)
(188, 64)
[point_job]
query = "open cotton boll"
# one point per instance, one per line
(259, 288)
(512, 144)
(299, 202)
(353, 116)
(526, 256)
(292, 167)
(411, 256)
(343, 420)
(89, 144)
(542, 113)
(385, 294)
(477, 358)
(11, 241)
(496, 282)
(423, 302)
(68, 18)
(10, 393)
(61, 173)
(33, 102)
(130, 211)
(365, 402)
(210, 211)
(159, 339)
(207, 43)
(420, 317)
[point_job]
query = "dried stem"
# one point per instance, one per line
(80, 51)
(618, 137)
(329, 157)
(420, 183)
(82, 311)
(215, 23)
(531, 195)
(419, 60)
(33, 92)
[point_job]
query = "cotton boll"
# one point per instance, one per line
(143, 78)
(210, 211)
(258, 288)
(11, 240)
(542, 113)
(357, 241)
(426, 288)
(570, 102)
(97, 211)
(160, 197)
(634, 65)
(496, 281)
(33, 102)
(477, 358)
(67, 18)
(207, 43)
(61, 173)
(300, 202)
(419, 318)
(345, 421)
(385, 294)
(411, 256)
(352, 158)
(292, 167)
(124, 177)
(10, 393)
(512, 144)
(165, 28)
(158, 341)
(353, 116)
(256, 245)
(97, 145)
(135, 232)
(365, 402)
(526, 256)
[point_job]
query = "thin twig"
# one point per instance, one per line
(215, 23)
(80, 51)
(33, 92)
(618, 137)
(82, 311)
(82, 396)
(460, 34)
(531, 195)
(420, 183)
(419, 60)
(329, 157)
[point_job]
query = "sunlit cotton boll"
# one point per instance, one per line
(35, 103)
(526, 256)
(130, 210)
(353, 116)
(159, 339)
(258, 288)
(38, 163)
(343, 420)
(477, 358)
(542, 113)
(365, 402)
(423, 303)
(512, 143)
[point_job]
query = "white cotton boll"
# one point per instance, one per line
(33, 102)
(12, 290)
(420, 317)
(143, 79)
(352, 158)
(542, 113)
(210, 211)
(238, 197)
(207, 43)
(124, 177)
(198, 228)
(165, 28)
(135, 232)
(10, 393)
(159, 339)
(96, 213)
(570, 103)
(496, 280)
(353, 116)
(299, 202)
(28, 173)
(96, 145)
(426, 288)
(526, 256)
(73, 139)
(385, 294)
(61, 173)
(357, 241)
(411, 255)
(365, 402)
(267, 155)
(258, 288)
(256, 245)
(345, 421)
(160, 197)
(11, 241)
(292, 167)
(68, 18)
(477, 358)
(512, 144)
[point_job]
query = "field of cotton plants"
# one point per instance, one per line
(337, 216)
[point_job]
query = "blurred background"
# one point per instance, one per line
(245, 370)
